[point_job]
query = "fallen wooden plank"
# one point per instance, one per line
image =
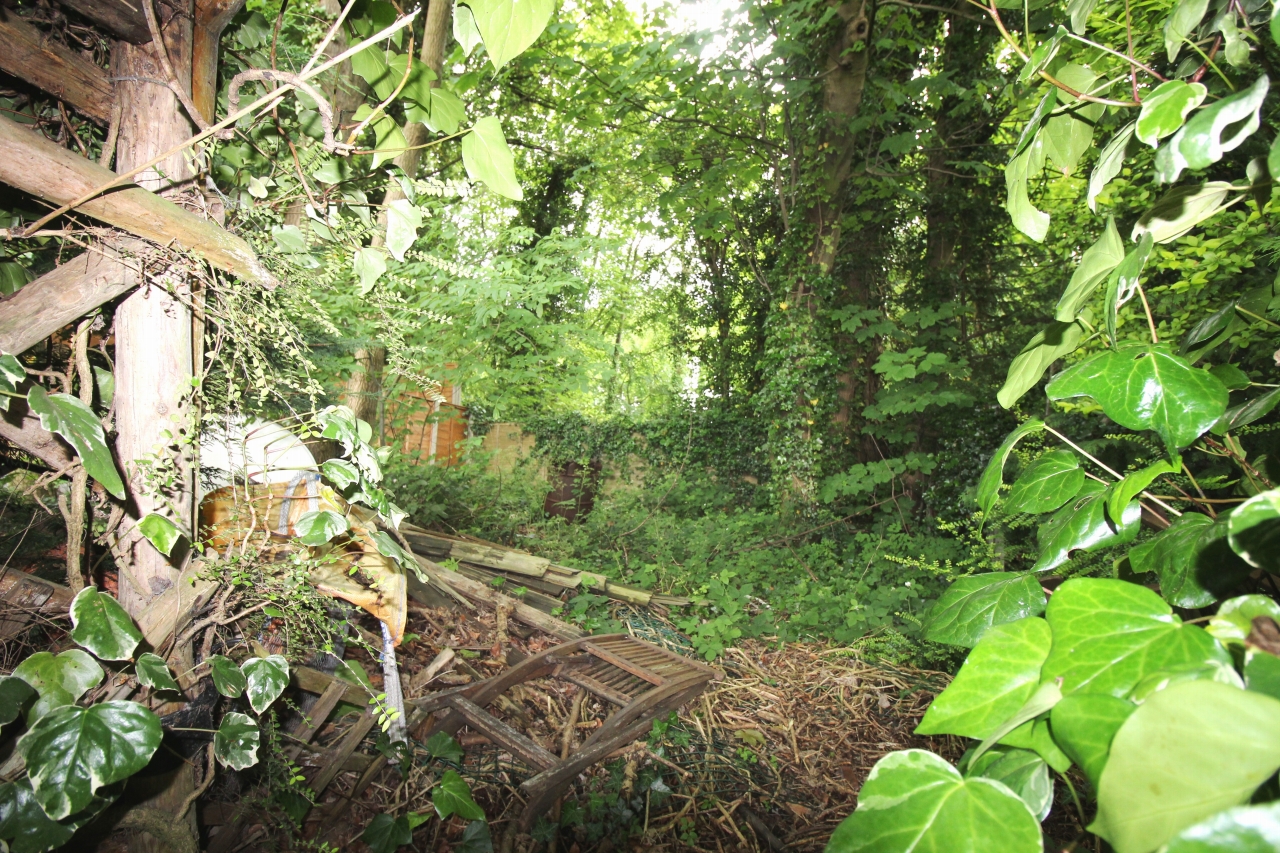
(477, 591)
(500, 558)
(23, 596)
(171, 611)
(27, 54)
(314, 719)
(35, 165)
(120, 18)
(521, 744)
(66, 293)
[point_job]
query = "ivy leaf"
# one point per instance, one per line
(1119, 494)
(1095, 265)
(340, 472)
(389, 547)
(1123, 282)
(12, 373)
(59, 680)
(1254, 530)
(23, 821)
(1083, 525)
(1110, 162)
(475, 839)
(1048, 345)
(1023, 772)
(76, 422)
(1047, 484)
(464, 29)
(1147, 387)
(153, 672)
(447, 111)
(1178, 736)
(441, 745)
(101, 625)
(1182, 209)
(1080, 10)
(403, 222)
(386, 834)
(1166, 108)
(235, 744)
(973, 604)
(1246, 829)
(1084, 725)
(319, 526)
(372, 65)
(369, 264)
(1231, 376)
(488, 159)
(453, 796)
(267, 678)
(1193, 561)
(1068, 135)
(508, 27)
(1273, 156)
(915, 801)
(1234, 620)
(1026, 218)
(1042, 56)
(227, 677)
(993, 474)
(14, 695)
(1185, 18)
(1200, 143)
(998, 677)
(72, 752)
(160, 532)
(1110, 634)
(1261, 673)
(388, 139)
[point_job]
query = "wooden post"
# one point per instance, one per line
(154, 350)
(212, 17)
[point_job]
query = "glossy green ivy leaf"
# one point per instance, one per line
(153, 672)
(1234, 620)
(915, 801)
(72, 752)
(1231, 376)
(447, 112)
(1046, 347)
(1165, 678)
(373, 65)
(76, 422)
(59, 680)
(386, 834)
(1202, 141)
(340, 472)
(1110, 162)
(25, 824)
(1109, 634)
(475, 839)
(403, 222)
(100, 625)
(1186, 17)
(973, 604)
(993, 474)
(1084, 725)
(488, 159)
(1023, 772)
(1253, 530)
(368, 265)
(1166, 108)
(1083, 525)
(999, 676)
(319, 526)
(1193, 561)
(1048, 483)
(1095, 265)
(1262, 673)
(1203, 765)
(1123, 283)
(235, 744)
(12, 373)
(15, 693)
(442, 745)
(453, 796)
(1183, 208)
(389, 547)
(1247, 412)
(1245, 829)
(160, 532)
(1021, 728)
(508, 27)
(227, 677)
(1147, 387)
(1135, 483)
(266, 679)
(1068, 135)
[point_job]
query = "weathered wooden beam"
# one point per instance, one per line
(23, 596)
(212, 17)
(23, 430)
(72, 290)
(26, 54)
(121, 18)
(37, 166)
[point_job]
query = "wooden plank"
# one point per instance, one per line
(602, 690)
(23, 430)
(38, 166)
(23, 596)
(121, 18)
(27, 54)
(479, 592)
(212, 17)
(66, 293)
(315, 681)
(624, 664)
(332, 762)
(313, 720)
(519, 743)
(500, 558)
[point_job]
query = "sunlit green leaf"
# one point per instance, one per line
(447, 112)
(369, 264)
(403, 222)
(508, 27)
(153, 672)
(266, 679)
(1049, 345)
(1095, 265)
(1183, 208)
(993, 474)
(102, 626)
(1231, 376)
(1119, 494)
(1110, 162)
(971, 605)
(1185, 18)
(1166, 108)
(1201, 142)
(488, 158)
(160, 532)
(1048, 483)
(1084, 725)
(1193, 561)
(1234, 620)
(340, 472)
(1083, 525)
(1026, 218)
(59, 680)
(1246, 829)
(1023, 772)
(464, 29)
(76, 422)
(227, 677)
(319, 526)
(1123, 282)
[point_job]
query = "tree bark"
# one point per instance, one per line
(27, 54)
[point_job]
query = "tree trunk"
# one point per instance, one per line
(364, 387)
(154, 367)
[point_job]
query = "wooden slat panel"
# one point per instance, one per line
(622, 663)
(479, 719)
(604, 691)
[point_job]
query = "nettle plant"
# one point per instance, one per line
(1174, 725)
